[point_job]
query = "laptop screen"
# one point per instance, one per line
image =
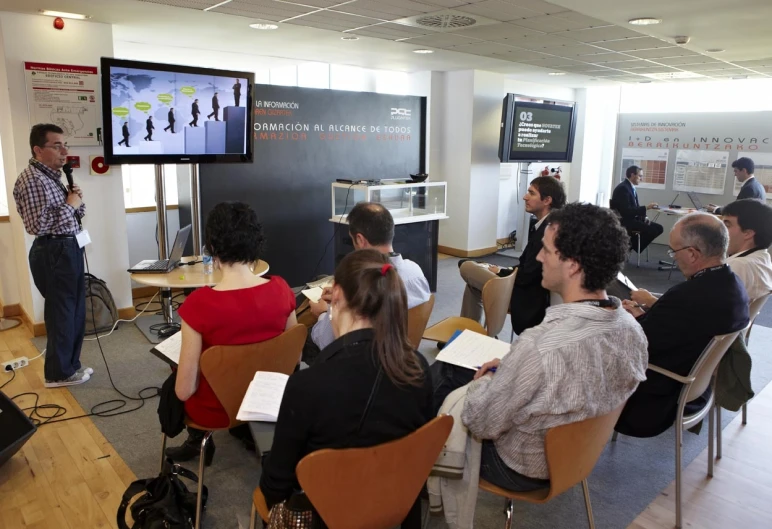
(695, 200)
(179, 244)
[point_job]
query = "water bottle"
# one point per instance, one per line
(206, 258)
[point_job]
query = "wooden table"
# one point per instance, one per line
(184, 276)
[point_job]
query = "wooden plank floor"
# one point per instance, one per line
(68, 476)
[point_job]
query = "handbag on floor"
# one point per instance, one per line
(166, 503)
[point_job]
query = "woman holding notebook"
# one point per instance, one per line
(367, 387)
(242, 309)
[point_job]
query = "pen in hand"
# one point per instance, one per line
(490, 369)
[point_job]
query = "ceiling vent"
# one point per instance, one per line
(446, 21)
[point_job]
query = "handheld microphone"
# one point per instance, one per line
(68, 173)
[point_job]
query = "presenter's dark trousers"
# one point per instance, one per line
(57, 269)
(648, 232)
(237, 98)
(194, 123)
(215, 113)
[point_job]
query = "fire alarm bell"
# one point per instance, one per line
(74, 161)
(59, 23)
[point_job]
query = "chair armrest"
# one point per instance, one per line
(671, 375)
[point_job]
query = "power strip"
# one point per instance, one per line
(15, 364)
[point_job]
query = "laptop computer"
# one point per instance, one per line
(163, 266)
(696, 201)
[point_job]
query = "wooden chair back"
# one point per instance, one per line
(496, 294)
(373, 487)
(230, 368)
(573, 449)
(417, 319)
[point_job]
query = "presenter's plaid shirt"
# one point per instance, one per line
(41, 200)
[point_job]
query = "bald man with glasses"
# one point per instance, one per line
(51, 213)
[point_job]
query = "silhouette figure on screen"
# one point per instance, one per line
(125, 132)
(149, 126)
(194, 112)
(215, 108)
(237, 92)
(171, 120)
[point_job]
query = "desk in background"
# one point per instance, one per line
(185, 276)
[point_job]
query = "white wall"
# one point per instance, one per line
(9, 292)
(749, 95)
(32, 38)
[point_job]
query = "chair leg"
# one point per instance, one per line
(670, 273)
(718, 431)
(679, 442)
(163, 451)
(614, 437)
(510, 513)
(745, 414)
(639, 250)
(710, 444)
(587, 503)
(200, 494)
(253, 517)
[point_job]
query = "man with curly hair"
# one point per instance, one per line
(583, 360)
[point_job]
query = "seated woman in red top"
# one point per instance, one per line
(242, 309)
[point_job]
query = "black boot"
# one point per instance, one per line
(191, 448)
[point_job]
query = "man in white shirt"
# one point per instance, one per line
(749, 223)
(584, 360)
(371, 226)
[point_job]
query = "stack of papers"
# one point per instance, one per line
(263, 398)
(169, 349)
(471, 350)
(313, 294)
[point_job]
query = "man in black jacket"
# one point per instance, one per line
(125, 133)
(215, 108)
(752, 188)
(171, 119)
(624, 201)
(682, 322)
(149, 127)
(237, 92)
(529, 299)
(194, 111)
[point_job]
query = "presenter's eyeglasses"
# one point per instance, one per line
(672, 252)
(58, 146)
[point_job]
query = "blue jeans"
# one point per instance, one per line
(494, 470)
(58, 272)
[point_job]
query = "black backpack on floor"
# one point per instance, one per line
(101, 313)
(166, 503)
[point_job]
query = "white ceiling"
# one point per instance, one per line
(526, 39)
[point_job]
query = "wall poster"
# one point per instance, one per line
(701, 171)
(653, 163)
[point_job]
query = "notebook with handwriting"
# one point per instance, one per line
(169, 349)
(471, 350)
(263, 397)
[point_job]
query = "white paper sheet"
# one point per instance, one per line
(263, 398)
(471, 350)
(170, 347)
(313, 294)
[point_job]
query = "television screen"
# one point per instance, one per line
(162, 114)
(535, 130)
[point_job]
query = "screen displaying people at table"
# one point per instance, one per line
(170, 97)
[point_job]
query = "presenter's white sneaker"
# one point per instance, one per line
(74, 380)
(86, 370)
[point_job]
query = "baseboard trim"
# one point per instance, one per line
(9, 311)
(466, 253)
(39, 329)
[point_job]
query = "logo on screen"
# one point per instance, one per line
(401, 113)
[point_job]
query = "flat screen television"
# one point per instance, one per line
(168, 114)
(536, 130)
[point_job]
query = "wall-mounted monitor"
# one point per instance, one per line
(168, 114)
(536, 130)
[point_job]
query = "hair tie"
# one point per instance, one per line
(385, 268)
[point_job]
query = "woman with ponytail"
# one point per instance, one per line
(367, 387)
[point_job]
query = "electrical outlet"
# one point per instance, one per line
(15, 364)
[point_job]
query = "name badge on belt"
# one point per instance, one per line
(83, 238)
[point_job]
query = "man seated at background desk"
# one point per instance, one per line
(624, 201)
(529, 298)
(582, 361)
(371, 226)
(752, 188)
(680, 324)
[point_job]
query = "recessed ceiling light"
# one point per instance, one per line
(557, 73)
(423, 51)
(62, 14)
(740, 77)
(645, 21)
(350, 37)
(263, 25)
(644, 82)
(715, 50)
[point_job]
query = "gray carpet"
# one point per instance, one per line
(629, 475)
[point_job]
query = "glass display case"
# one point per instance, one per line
(407, 202)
